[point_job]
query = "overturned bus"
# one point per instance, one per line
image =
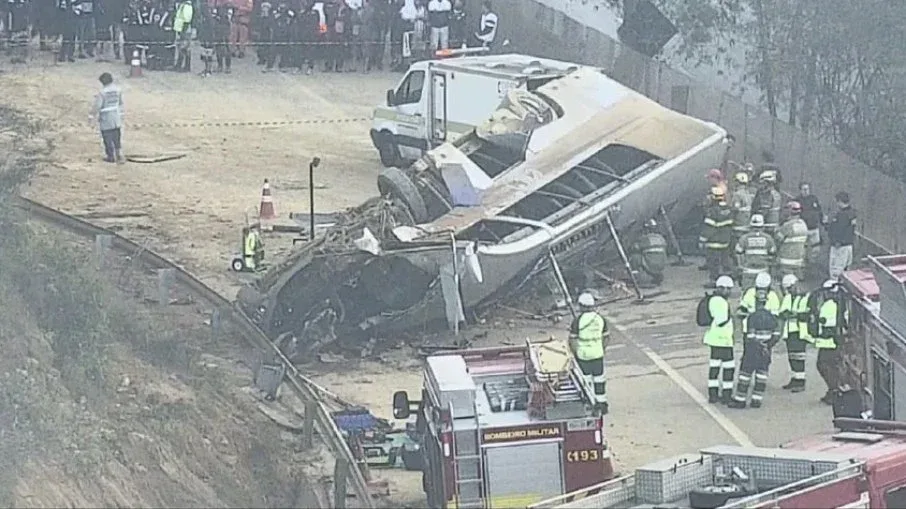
(538, 184)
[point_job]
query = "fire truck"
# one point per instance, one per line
(506, 427)
(860, 466)
(875, 347)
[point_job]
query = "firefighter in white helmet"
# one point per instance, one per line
(794, 313)
(588, 335)
(719, 339)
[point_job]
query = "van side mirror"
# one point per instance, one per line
(401, 408)
(391, 97)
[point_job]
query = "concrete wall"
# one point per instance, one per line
(548, 31)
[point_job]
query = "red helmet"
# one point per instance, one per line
(715, 174)
(794, 207)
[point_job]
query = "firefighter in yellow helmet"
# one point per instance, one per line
(741, 203)
(717, 234)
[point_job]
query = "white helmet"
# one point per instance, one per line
(757, 221)
(762, 280)
(724, 282)
(585, 299)
(830, 284)
(789, 280)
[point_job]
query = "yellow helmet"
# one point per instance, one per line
(742, 177)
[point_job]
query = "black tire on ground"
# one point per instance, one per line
(388, 150)
(393, 182)
(237, 264)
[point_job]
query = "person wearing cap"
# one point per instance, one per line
(719, 340)
(760, 335)
(741, 203)
(588, 336)
(717, 233)
(793, 312)
(108, 110)
(841, 233)
(649, 256)
(768, 200)
(755, 252)
(828, 325)
(813, 217)
(792, 243)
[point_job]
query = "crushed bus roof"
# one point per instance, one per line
(510, 65)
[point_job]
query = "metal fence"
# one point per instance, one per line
(880, 200)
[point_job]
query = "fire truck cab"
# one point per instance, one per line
(506, 427)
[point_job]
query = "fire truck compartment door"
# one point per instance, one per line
(520, 475)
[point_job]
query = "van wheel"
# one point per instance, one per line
(388, 150)
(393, 182)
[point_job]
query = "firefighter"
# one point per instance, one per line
(719, 339)
(768, 201)
(760, 337)
(716, 234)
(762, 289)
(649, 257)
(792, 243)
(715, 178)
(828, 325)
(754, 252)
(741, 203)
(588, 336)
(793, 308)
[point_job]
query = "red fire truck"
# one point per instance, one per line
(861, 467)
(505, 427)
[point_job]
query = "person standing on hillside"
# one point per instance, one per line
(108, 110)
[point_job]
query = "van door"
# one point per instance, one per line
(410, 105)
(438, 106)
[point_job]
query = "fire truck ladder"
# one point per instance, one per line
(466, 452)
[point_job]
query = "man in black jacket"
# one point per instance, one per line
(841, 233)
(813, 217)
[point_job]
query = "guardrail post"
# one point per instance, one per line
(164, 277)
(101, 245)
(215, 324)
(308, 424)
(340, 472)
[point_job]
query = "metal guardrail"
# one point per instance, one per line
(317, 416)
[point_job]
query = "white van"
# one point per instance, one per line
(439, 100)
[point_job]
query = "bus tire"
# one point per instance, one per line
(393, 182)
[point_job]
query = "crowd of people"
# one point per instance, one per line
(300, 35)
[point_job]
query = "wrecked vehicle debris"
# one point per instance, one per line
(475, 218)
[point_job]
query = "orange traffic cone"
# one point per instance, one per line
(266, 211)
(135, 66)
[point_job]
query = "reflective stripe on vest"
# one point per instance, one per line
(590, 344)
(827, 330)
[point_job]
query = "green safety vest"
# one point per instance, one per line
(720, 333)
(590, 343)
(800, 308)
(250, 244)
(827, 331)
(790, 308)
(747, 305)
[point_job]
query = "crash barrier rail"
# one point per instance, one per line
(347, 476)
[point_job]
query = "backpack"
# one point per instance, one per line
(814, 302)
(703, 313)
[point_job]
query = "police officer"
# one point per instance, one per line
(760, 337)
(794, 313)
(719, 339)
(649, 255)
(767, 200)
(754, 252)
(716, 234)
(792, 243)
(828, 325)
(741, 203)
(588, 336)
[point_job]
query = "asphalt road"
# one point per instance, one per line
(657, 371)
